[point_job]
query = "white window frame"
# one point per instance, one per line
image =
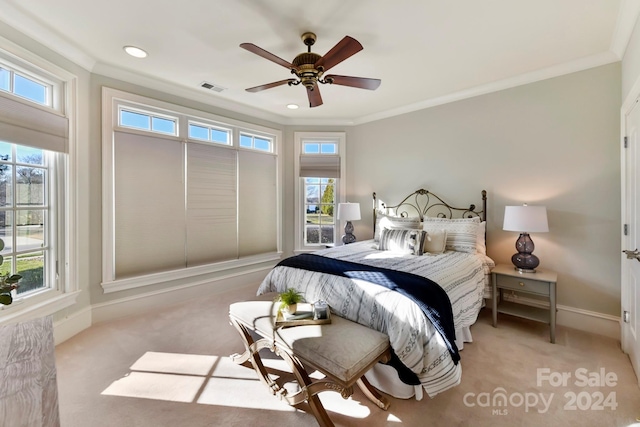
(63, 290)
(340, 138)
(111, 100)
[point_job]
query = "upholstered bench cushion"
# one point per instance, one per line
(342, 349)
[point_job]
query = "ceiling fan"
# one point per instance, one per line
(310, 67)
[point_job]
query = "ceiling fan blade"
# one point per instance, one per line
(315, 99)
(359, 82)
(269, 85)
(267, 55)
(345, 48)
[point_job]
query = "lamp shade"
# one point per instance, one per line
(349, 211)
(526, 219)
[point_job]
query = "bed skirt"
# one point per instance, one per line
(385, 378)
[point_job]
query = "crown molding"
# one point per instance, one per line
(523, 79)
(627, 18)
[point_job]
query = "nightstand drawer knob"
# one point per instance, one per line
(521, 284)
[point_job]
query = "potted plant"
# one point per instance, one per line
(8, 282)
(289, 300)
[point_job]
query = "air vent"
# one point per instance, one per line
(212, 87)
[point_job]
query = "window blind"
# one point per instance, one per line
(258, 203)
(212, 208)
(149, 204)
(320, 165)
(25, 124)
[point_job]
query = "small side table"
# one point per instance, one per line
(542, 283)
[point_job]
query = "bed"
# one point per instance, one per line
(434, 242)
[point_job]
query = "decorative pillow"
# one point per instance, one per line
(435, 241)
(394, 222)
(462, 234)
(402, 240)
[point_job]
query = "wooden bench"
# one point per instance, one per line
(342, 350)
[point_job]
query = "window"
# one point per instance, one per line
(25, 216)
(26, 87)
(319, 187)
(35, 136)
(256, 142)
(209, 133)
(147, 121)
(320, 209)
(207, 202)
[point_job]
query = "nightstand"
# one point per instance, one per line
(541, 283)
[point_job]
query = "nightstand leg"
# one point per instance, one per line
(552, 312)
(494, 300)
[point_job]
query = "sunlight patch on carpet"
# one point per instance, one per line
(146, 385)
(175, 363)
(241, 394)
(333, 402)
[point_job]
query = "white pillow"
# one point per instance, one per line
(409, 241)
(435, 241)
(462, 234)
(394, 222)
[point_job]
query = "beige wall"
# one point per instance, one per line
(552, 143)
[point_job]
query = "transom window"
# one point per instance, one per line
(320, 148)
(147, 121)
(255, 142)
(209, 133)
(25, 87)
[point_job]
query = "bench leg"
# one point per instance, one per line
(308, 388)
(373, 394)
(251, 354)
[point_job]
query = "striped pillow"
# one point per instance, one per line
(462, 234)
(402, 240)
(394, 222)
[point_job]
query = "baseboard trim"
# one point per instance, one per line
(128, 306)
(577, 318)
(71, 325)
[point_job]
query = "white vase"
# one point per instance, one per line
(290, 309)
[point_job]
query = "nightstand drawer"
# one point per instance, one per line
(523, 285)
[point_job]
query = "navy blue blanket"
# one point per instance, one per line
(429, 296)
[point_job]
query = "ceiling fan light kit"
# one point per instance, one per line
(310, 67)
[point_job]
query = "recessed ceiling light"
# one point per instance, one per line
(135, 51)
(292, 106)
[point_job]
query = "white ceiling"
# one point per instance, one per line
(426, 52)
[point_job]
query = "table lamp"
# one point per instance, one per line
(348, 212)
(525, 219)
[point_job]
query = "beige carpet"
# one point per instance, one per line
(171, 368)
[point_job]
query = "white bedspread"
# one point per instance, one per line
(412, 336)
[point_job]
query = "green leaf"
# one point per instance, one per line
(6, 299)
(13, 278)
(1, 245)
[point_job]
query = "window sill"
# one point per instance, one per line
(27, 310)
(185, 273)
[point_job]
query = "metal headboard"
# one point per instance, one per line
(423, 203)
